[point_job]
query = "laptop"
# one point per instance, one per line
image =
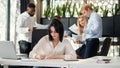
(7, 50)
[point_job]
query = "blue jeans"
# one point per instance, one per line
(92, 46)
(89, 49)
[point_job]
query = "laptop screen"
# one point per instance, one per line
(7, 50)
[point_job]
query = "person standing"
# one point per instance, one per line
(24, 27)
(93, 32)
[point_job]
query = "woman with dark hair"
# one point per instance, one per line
(53, 45)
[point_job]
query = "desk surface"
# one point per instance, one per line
(93, 63)
(81, 63)
(35, 62)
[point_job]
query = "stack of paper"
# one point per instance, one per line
(74, 28)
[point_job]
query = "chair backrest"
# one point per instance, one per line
(37, 34)
(105, 47)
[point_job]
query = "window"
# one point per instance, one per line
(14, 11)
(103, 5)
(3, 14)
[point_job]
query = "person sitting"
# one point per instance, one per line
(81, 24)
(53, 45)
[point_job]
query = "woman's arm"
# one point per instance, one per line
(69, 51)
(38, 49)
(55, 56)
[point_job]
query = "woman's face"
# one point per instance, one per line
(81, 22)
(54, 34)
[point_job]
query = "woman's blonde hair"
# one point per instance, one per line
(85, 20)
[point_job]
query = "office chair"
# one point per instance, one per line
(105, 47)
(37, 34)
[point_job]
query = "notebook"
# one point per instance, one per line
(7, 50)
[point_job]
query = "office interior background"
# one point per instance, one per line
(46, 9)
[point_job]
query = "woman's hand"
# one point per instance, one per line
(40, 57)
(77, 42)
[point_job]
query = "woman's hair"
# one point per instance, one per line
(58, 28)
(57, 17)
(83, 18)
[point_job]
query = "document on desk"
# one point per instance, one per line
(71, 60)
(29, 60)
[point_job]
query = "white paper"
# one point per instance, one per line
(29, 60)
(77, 37)
(40, 26)
(74, 28)
(71, 60)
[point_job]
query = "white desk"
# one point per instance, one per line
(47, 62)
(82, 63)
(92, 63)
